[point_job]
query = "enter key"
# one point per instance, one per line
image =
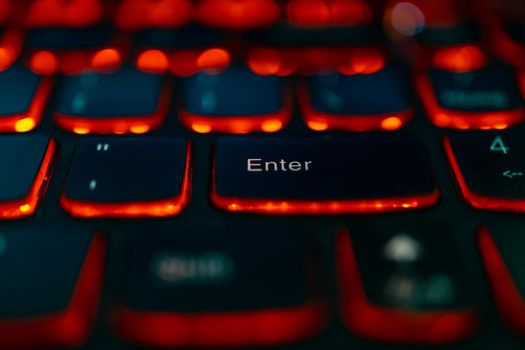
(359, 174)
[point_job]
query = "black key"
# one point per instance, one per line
(220, 289)
(361, 102)
(24, 96)
(125, 101)
(235, 101)
(26, 164)
(487, 98)
(364, 173)
(54, 279)
(489, 168)
(128, 177)
(404, 284)
(502, 252)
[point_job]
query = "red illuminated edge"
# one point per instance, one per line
(26, 206)
(329, 121)
(235, 329)
(476, 200)
(394, 325)
(8, 123)
(447, 118)
(70, 327)
(510, 302)
(118, 125)
(157, 208)
(238, 124)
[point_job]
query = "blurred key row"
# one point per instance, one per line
(397, 283)
(123, 177)
(239, 101)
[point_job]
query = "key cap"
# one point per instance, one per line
(206, 288)
(235, 101)
(488, 168)
(54, 279)
(317, 13)
(139, 14)
(24, 96)
(237, 14)
(405, 285)
(365, 173)
(500, 248)
(74, 50)
(128, 177)
(26, 164)
(182, 51)
(125, 101)
(53, 13)
(488, 98)
(376, 100)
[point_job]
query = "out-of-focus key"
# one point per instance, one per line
(489, 168)
(74, 50)
(501, 250)
(237, 14)
(316, 13)
(24, 96)
(128, 177)
(55, 277)
(365, 173)
(370, 100)
(69, 13)
(141, 14)
(235, 101)
(485, 98)
(204, 288)
(124, 101)
(405, 285)
(26, 163)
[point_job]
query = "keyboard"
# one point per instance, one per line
(272, 174)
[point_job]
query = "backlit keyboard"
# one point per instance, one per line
(284, 174)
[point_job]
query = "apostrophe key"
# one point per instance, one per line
(54, 279)
(489, 168)
(207, 289)
(405, 285)
(74, 50)
(124, 101)
(501, 249)
(182, 51)
(24, 96)
(128, 177)
(484, 98)
(26, 163)
(377, 99)
(235, 101)
(361, 174)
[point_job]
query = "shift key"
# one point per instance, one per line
(358, 174)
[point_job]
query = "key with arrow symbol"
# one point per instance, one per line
(512, 174)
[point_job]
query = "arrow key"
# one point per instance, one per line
(489, 168)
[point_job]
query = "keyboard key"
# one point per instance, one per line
(503, 259)
(74, 50)
(24, 96)
(26, 164)
(183, 51)
(488, 168)
(235, 101)
(211, 289)
(55, 277)
(405, 285)
(128, 177)
(140, 14)
(317, 13)
(237, 14)
(358, 102)
(488, 98)
(70, 13)
(361, 174)
(125, 101)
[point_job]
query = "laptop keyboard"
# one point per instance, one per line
(296, 174)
